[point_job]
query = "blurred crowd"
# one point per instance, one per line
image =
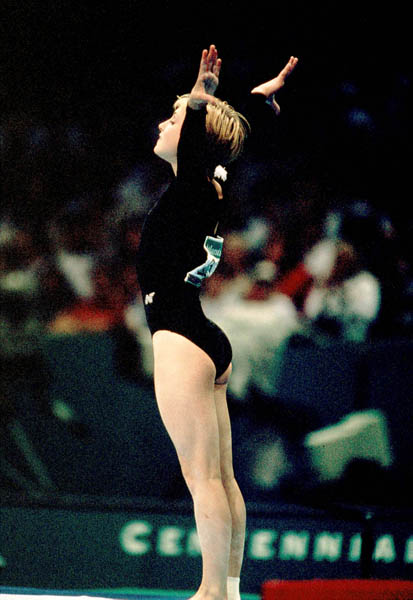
(303, 265)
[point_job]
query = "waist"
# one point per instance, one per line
(181, 294)
(176, 310)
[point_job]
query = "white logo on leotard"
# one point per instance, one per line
(149, 298)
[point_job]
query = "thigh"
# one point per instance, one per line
(184, 386)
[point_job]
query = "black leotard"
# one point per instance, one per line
(172, 244)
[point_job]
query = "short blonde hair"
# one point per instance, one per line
(226, 132)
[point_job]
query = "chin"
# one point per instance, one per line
(158, 151)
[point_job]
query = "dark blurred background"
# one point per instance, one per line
(105, 74)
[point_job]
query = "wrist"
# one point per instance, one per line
(198, 100)
(196, 103)
(262, 89)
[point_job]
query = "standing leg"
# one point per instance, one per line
(234, 495)
(184, 387)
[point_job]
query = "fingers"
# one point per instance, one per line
(289, 67)
(212, 57)
(210, 61)
(217, 67)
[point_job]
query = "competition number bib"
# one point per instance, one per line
(213, 247)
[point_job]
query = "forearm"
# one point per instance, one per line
(266, 89)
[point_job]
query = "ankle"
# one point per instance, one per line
(208, 595)
(233, 588)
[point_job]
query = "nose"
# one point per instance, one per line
(162, 125)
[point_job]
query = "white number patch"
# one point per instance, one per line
(213, 247)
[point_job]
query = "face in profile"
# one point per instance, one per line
(166, 146)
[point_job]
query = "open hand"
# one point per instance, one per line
(208, 78)
(271, 87)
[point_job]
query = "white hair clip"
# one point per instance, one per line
(220, 173)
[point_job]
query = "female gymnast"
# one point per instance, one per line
(192, 356)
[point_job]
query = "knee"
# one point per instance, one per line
(197, 478)
(232, 488)
(228, 481)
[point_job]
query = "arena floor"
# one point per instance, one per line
(8, 593)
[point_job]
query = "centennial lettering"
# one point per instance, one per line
(261, 544)
(294, 545)
(133, 537)
(408, 554)
(138, 538)
(169, 541)
(327, 546)
(385, 550)
(354, 552)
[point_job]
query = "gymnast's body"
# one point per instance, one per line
(180, 246)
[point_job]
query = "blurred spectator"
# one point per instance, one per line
(267, 267)
(79, 240)
(337, 286)
(128, 238)
(347, 301)
(55, 293)
(101, 310)
(20, 261)
(134, 327)
(108, 310)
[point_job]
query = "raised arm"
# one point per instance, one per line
(271, 87)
